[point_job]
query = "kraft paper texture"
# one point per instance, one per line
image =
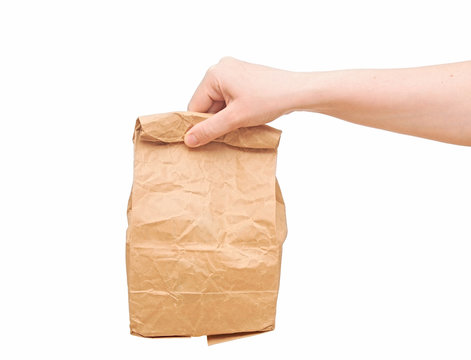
(206, 229)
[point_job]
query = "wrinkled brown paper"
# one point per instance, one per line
(206, 229)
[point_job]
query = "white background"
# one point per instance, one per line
(377, 260)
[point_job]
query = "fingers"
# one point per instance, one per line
(216, 107)
(200, 101)
(210, 129)
(207, 94)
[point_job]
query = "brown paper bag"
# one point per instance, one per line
(206, 228)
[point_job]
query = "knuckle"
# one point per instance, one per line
(211, 70)
(216, 69)
(226, 59)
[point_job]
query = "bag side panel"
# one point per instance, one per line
(203, 253)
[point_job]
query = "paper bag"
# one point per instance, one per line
(206, 229)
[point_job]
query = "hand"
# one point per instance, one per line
(240, 94)
(431, 101)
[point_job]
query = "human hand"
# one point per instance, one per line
(429, 101)
(240, 94)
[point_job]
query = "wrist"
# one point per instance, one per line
(313, 91)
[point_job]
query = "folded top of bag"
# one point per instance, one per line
(172, 127)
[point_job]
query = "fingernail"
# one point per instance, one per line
(191, 140)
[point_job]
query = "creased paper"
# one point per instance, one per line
(206, 229)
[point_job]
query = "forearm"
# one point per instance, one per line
(432, 102)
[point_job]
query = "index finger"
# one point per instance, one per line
(205, 95)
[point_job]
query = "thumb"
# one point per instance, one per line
(217, 125)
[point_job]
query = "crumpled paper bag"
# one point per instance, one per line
(206, 229)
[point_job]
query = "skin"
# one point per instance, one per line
(432, 102)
